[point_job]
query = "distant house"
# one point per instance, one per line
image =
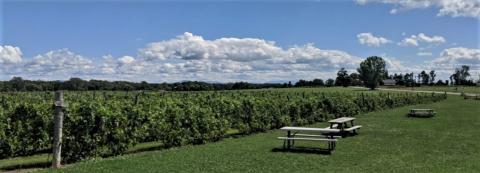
(389, 82)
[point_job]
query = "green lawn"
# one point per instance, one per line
(459, 89)
(388, 142)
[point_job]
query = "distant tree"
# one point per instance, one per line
(432, 77)
(343, 79)
(330, 83)
(424, 77)
(461, 75)
(18, 84)
(399, 79)
(301, 83)
(440, 82)
(409, 79)
(75, 84)
(318, 82)
(372, 71)
(33, 87)
(355, 79)
(144, 85)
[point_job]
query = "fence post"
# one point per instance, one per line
(57, 131)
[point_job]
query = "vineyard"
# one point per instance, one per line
(109, 123)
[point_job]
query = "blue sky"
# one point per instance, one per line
(125, 40)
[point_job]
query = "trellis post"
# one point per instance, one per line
(58, 128)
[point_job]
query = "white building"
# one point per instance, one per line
(389, 82)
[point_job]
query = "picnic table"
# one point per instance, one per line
(422, 112)
(313, 134)
(346, 125)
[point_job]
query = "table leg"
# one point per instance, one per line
(353, 124)
(288, 140)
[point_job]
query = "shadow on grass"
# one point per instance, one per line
(304, 150)
(26, 166)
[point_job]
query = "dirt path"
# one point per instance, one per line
(416, 91)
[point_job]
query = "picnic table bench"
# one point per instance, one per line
(422, 113)
(346, 125)
(471, 96)
(315, 134)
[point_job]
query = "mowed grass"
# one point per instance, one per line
(388, 142)
(455, 89)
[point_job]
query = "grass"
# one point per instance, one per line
(459, 89)
(388, 142)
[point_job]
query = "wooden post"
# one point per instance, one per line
(57, 131)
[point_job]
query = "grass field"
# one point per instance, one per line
(459, 89)
(388, 142)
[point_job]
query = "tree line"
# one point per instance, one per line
(371, 73)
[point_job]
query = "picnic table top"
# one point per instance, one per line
(342, 120)
(422, 109)
(324, 130)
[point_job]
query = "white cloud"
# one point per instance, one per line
(434, 39)
(10, 55)
(414, 40)
(126, 60)
(454, 8)
(191, 54)
(424, 54)
(370, 40)
(192, 47)
(452, 58)
(61, 62)
(459, 56)
(190, 57)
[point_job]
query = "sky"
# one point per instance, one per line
(233, 40)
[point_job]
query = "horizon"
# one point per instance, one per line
(230, 41)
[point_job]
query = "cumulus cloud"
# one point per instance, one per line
(459, 55)
(190, 53)
(126, 60)
(451, 58)
(193, 47)
(370, 40)
(60, 61)
(454, 8)
(10, 55)
(414, 40)
(191, 57)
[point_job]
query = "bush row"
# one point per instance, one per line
(111, 123)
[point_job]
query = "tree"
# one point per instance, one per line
(18, 84)
(75, 84)
(424, 77)
(432, 77)
(372, 71)
(399, 80)
(318, 82)
(440, 82)
(144, 85)
(330, 83)
(460, 76)
(409, 80)
(355, 79)
(343, 79)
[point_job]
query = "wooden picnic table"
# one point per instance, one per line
(344, 124)
(422, 112)
(316, 134)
